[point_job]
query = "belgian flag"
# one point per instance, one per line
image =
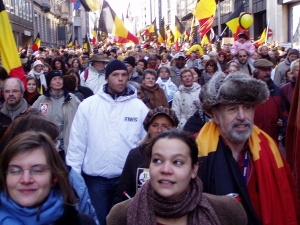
(70, 43)
(91, 5)
(109, 22)
(179, 29)
(205, 13)
(36, 43)
(8, 48)
(262, 38)
(87, 45)
(233, 20)
(152, 28)
(162, 31)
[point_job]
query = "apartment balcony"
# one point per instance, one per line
(45, 6)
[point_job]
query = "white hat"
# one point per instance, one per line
(179, 54)
(37, 62)
(205, 58)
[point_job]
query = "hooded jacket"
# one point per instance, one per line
(279, 77)
(94, 79)
(69, 108)
(103, 132)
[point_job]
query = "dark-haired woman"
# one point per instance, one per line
(174, 193)
(210, 68)
(58, 64)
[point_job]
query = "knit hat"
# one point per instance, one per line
(130, 60)
(37, 62)
(236, 88)
(244, 35)
(293, 52)
(113, 66)
(263, 63)
(160, 110)
(51, 75)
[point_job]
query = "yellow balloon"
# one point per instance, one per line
(245, 20)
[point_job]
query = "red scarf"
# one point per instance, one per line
(275, 182)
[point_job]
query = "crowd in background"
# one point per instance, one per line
(102, 110)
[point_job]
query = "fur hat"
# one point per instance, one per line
(130, 60)
(113, 66)
(51, 75)
(160, 110)
(236, 88)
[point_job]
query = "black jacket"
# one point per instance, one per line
(129, 180)
(72, 217)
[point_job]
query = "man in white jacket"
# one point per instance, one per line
(93, 76)
(105, 128)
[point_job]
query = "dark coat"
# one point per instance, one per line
(154, 97)
(228, 210)
(268, 113)
(72, 217)
(129, 180)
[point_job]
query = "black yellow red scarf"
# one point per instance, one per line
(276, 185)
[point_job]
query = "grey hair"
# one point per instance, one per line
(213, 54)
(294, 64)
(22, 89)
(151, 71)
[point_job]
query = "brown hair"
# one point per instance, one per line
(27, 142)
(184, 71)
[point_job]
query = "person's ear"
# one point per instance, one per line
(215, 117)
(195, 170)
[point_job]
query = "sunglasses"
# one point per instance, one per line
(211, 65)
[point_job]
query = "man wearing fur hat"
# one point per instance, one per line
(105, 128)
(271, 116)
(93, 76)
(280, 78)
(237, 158)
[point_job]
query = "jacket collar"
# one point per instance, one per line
(67, 96)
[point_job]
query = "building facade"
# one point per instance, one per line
(54, 20)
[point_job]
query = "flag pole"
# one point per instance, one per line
(191, 39)
(267, 31)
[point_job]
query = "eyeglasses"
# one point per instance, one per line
(209, 65)
(242, 56)
(11, 91)
(36, 170)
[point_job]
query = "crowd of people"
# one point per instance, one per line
(149, 135)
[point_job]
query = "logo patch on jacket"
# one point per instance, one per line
(142, 176)
(44, 108)
(131, 119)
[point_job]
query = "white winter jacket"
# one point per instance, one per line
(186, 102)
(103, 132)
(94, 79)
